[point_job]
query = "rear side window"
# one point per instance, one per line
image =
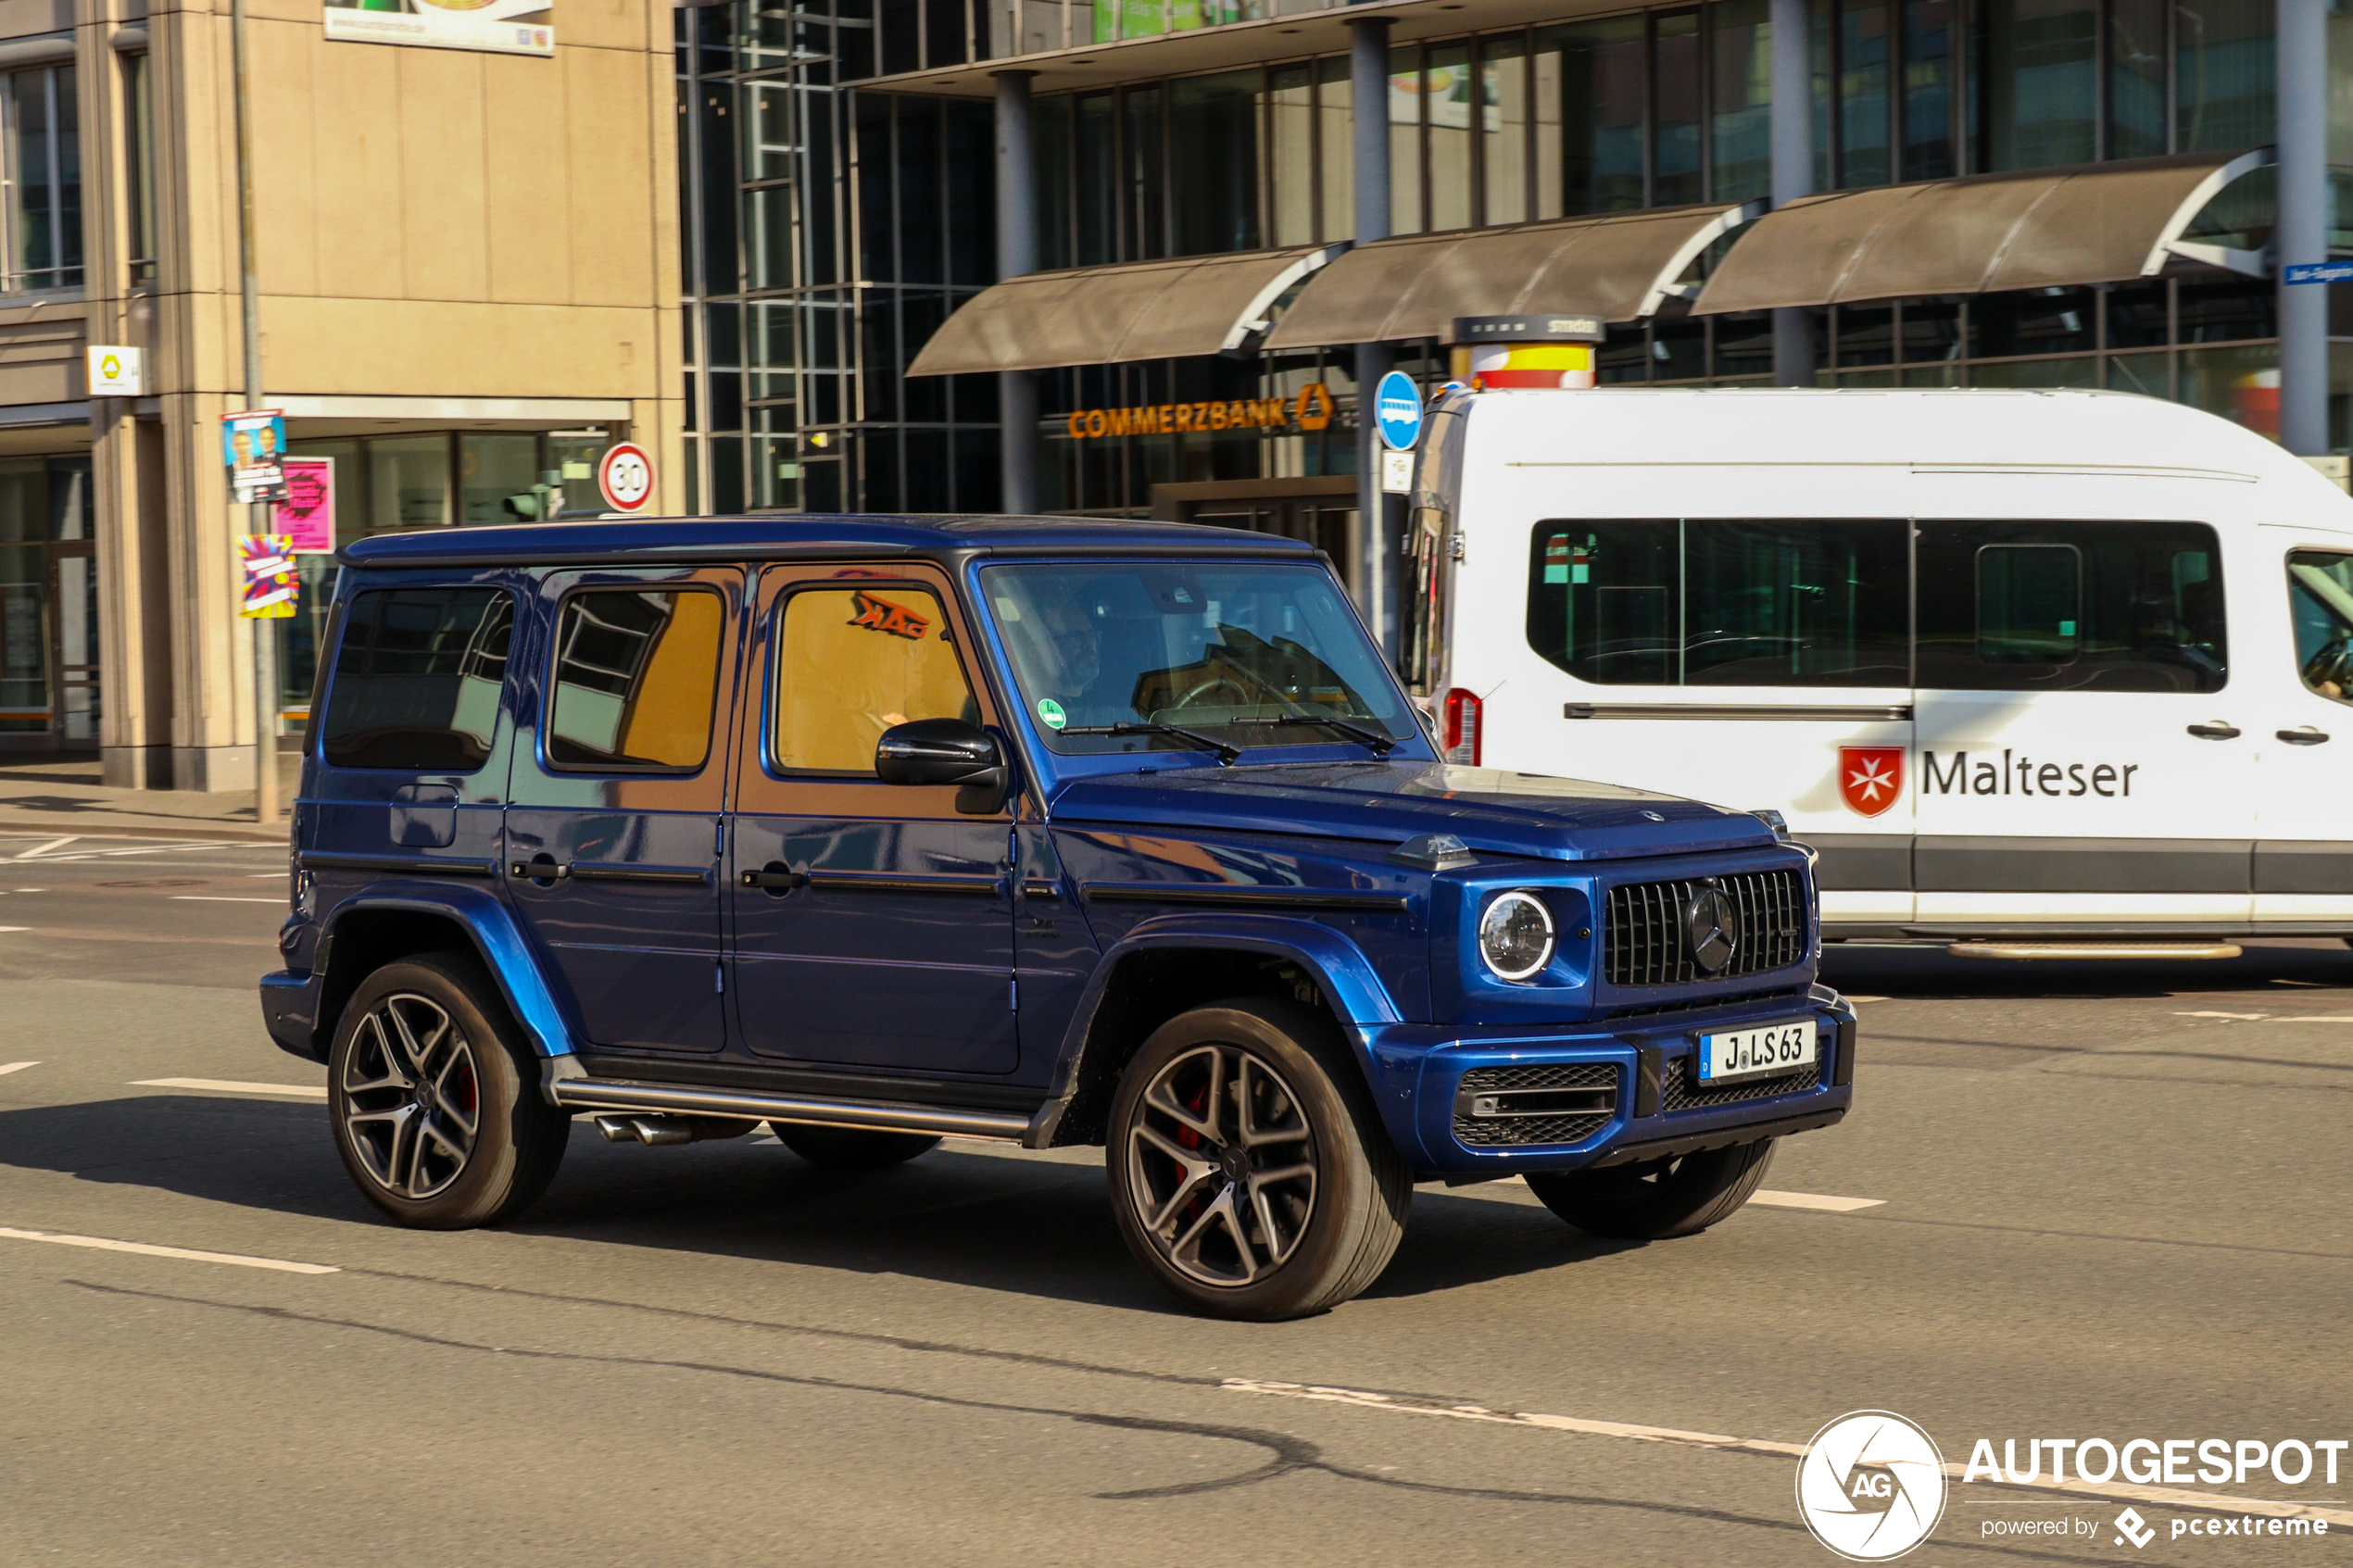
(850, 663)
(1722, 602)
(636, 674)
(2319, 590)
(2101, 606)
(417, 679)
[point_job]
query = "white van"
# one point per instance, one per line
(2025, 664)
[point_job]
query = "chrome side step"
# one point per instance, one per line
(605, 1094)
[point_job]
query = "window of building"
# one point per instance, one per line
(42, 172)
(1717, 603)
(416, 680)
(2319, 591)
(2224, 68)
(1503, 105)
(1406, 141)
(636, 674)
(850, 663)
(1741, 99)
(2036, 64)
(1291, 153)
(1597, 81)
(1215, 118)
(139, 165)
(2024, 606)
(1450, 104)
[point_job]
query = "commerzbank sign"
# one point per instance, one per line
(1310, 409)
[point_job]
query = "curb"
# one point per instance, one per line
(233, 833)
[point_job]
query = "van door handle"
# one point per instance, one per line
(776, 878)
(2215, 729)
(2307, 735)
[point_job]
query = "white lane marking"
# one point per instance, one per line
(1822, 1200)
(2316, 1018)
(1408, 1405)
(231, 1086)
(30, 890)
(8, 1067)
(1853, 998)
(255, 875)
(147, 1250)
(2236, 1017)
(40, 849)
(222, 898)
(15, 928)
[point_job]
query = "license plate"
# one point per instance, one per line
(1767, 1051)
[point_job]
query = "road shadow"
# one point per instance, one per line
(1025, 1226)
(2276, 966)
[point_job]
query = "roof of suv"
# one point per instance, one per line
(656, 539)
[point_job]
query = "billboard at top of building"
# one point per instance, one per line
(502, 27)
(1133, 18)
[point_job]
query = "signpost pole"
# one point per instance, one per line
(265, 635)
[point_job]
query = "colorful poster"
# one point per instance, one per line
(1135, 18)
(270, 581)
(497, 27)
(253, 445)
(308, 514)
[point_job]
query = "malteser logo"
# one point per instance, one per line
(1870, 1485)
(1871, 778)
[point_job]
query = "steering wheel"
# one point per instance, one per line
(2332, 665)
(1199, 696)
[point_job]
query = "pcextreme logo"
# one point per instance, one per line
(1870, 1485)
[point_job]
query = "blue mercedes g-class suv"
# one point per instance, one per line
(883, 829)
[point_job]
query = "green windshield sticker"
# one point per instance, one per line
(1051, 713)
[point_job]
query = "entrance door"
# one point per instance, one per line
(872, 922)
(612, 832)
(73, 643)
(2082, 759)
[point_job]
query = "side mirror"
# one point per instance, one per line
(947, 751)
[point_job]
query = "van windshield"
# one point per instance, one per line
(1242, 655)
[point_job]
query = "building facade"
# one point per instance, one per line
(468, 270)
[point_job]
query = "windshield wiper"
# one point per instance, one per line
(1382, 745)
(1226, 754)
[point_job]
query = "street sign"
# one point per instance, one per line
(626, 476)
(1397, 409)
(253, 445)
(1397, 473)
(307, 516)
(116, 370)
(270, 582)
(2317, 272)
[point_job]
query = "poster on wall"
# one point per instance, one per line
(269, 581)
(308, 514)
(253, 447)
(498, 27)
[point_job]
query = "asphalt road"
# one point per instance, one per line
(2105, 1201)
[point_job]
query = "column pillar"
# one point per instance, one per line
(2302, 233)
(1016, 254)
(1375, 584)
(1792, 169)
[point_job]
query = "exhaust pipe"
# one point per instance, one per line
(661, 1132)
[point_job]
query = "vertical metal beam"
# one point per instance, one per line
(265, 632)
(1792, 169)
(1016, 254)
(1376, 584)
(2302, 234)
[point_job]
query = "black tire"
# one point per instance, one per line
(851, 1149)
(1332, 1232)
(1659, 1198)
(518, 1138)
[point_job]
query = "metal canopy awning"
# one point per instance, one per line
(1620, 268)
(2055, 228)
(1111, 315)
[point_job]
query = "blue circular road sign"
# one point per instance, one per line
(1397, 409)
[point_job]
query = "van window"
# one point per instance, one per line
(851, 662)
(2320, 593)
(2102, 607)
(636, 674)
(417, 679)
(1722, 602)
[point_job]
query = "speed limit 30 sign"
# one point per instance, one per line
(626, 476)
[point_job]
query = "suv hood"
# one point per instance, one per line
(1488, 809)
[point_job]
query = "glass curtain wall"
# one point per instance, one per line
(39, 124)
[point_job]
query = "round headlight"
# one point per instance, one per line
(1516, 935)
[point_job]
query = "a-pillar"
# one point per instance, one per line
(1016, 254)
(2302, 233)
(1792, 169)
(1376, 584)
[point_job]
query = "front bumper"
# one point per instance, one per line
(1656, 1110)
(290, 1011)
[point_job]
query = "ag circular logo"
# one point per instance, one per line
(1870, 1485)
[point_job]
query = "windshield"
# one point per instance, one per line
(1224, 652)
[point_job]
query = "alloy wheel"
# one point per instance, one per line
(1220, 1166)
(412, 1098)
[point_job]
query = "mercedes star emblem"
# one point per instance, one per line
(1713, 924)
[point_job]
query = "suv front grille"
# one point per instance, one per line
(1515, 1105)
(1644, 941)
(1679, 1093)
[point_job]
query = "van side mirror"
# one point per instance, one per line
(947, 751)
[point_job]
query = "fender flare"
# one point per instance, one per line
(498, 941)
(1338, 967)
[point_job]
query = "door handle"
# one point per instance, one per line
(541, 868)
(2215, 729)
(2307, 735)
(775, 878)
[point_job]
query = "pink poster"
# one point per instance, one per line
(308, 514)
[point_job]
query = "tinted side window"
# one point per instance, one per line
(851, 662)
(2106, 606)
(1712, 602)
(2320, 589)
(636, 674)
(417, 679)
